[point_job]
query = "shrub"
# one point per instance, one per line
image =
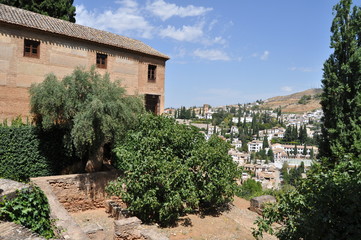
(328, 197)
(249, 189)
(26, 152)
(170, 169)
(29, 208)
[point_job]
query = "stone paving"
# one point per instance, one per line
(12, 231)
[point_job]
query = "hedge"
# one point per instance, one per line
(28, 152)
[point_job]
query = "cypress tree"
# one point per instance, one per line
(304, 150)
(341, 97)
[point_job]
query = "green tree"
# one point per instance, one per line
(170, 169)
(265, 142)
(270, 155)
(330, 194)
(92, 110)
(341, 96)
(325, 205)
(304, 150)
(62, 9)
(249, 189)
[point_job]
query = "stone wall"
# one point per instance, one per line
(80, 192)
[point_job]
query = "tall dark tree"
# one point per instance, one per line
(304, 150)
(62, 9)
(330, 194)
(265, 142)
(270, 155)
(341, 96)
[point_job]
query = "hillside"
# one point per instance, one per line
(290, 103)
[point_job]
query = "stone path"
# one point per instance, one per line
(12, 231)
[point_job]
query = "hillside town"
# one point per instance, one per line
(264, 142)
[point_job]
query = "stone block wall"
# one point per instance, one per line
(80, 192)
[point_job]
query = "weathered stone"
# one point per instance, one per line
(92, 228)
(107, 205)
(150, 234)
(8, 188)
(259, 202)
(12, 231)
(126, 225)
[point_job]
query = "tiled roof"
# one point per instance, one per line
(29, 19)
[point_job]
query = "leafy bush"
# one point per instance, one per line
(305, 99)
(329, 198)
(29, 208)
(249, 189)
(26, 152)
(170, 169)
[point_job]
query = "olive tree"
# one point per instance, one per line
(91, 109)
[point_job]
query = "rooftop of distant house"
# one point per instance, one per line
(24, 18)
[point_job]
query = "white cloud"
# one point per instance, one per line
(166, 10)
(265, 55)
(127, 19)
(286, 89)
(301, 69)
(186, 33)
(212, 54)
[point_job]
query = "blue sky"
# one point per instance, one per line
(224, 52)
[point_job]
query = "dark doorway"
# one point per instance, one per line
(152, 103)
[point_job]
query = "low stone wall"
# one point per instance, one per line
(9, 188)
(80, 192)
(76, 192)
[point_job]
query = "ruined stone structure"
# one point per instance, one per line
(34, 45)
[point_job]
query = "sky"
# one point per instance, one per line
(224, 52)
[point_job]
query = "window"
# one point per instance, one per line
(31, 48)
(102, 60)
(152, 73)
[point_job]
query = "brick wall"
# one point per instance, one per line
(80, 192)
(60, 55)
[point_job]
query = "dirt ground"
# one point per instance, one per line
(96, 223)
(234, 224)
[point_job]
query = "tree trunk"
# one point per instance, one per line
(95, 161)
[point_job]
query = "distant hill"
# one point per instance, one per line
(292, 104)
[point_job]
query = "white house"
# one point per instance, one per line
(255, 146)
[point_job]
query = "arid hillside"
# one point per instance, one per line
(300, 102)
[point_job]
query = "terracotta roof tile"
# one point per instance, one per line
(29, 19)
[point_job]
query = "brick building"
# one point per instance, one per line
(33, 45)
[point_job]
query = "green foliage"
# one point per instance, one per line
(29, 208)
(249, 189)
(62, 9)
(292, 176)
(26, 152)
(341, 97)
(326, 205)
(170, 169)
(90, 109)
(218, 117)
(305, 99)
(184, 113)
